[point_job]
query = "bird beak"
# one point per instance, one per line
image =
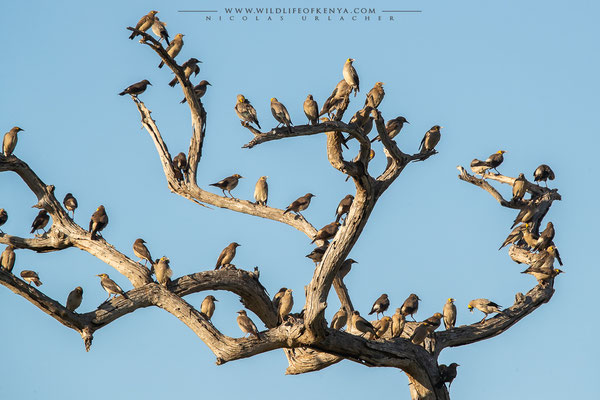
(407, 122)
(209, 84)
(200, 62)
(150, 84)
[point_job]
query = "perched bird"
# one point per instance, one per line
(375, 95)
(7, 258)
(10, 141)
(70, 203)
(449, 313)
(180, 165)
(174, 47)
(343, 207)
(519, 188)
(448, 373)
(245, 111)
(285, 305)
(300, 204)
(525, 214)
(74, 299)
(381, 326)
(410, 306)
(189, 67)
(530, 237)
(425, 328)
(398, 322)
(3, 217)
(338, 100)
(515, 236)
(227, 255)
(98, 221)
(141, 251)
(136, 89)
(246, 324)
(545, 259)
(350, 75)
(393, 127)
(228, 184)
(543, 173)
(339, 320)
(144, 23)
(31, 277)
(327, 232)
(199, 90)
(345, 268)
(380, 305)
(362, 325)
(311, 110)
(40, 221)
(485, 306)
(543, 275)
(261, 191)
(362, 117)
(160, 30)
(431, 139)
(546, 237)
(317, 254)
(277, 299)
(111, 287)
(280, 113)
(208, 306)
(492, 162)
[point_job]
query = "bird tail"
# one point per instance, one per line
(167, 39)
(182, 101)
(173, 82)
(161, 64)
(132, 35)
(37, 282)
(122, 93)
(313, 240)
(32, 230)
(286, 211)
(125, 295)
(93, 234)
(375, 139)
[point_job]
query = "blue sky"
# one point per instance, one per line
(522, 77)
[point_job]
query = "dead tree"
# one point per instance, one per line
(305, 338)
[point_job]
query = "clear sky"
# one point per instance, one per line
(511, 75)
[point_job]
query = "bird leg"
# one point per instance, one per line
(484, 317)
(224, 193)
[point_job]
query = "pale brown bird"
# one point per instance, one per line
(380, 305)
(545, 259)
(425, 328)
(31, 277)
(163, 271)
(362, 325)
(174, 47)
(339, 320)
(3, 217)
(346, 267)
(141, 251)
(144, 23)
(350, 75)
(525, 215)
(492, 162)
(398, 322)
(344, 207)
(361, 118)
(543, 173)
(40, 221)
(311, 110)
(393, 127)
(448, 373)
(189, 67)
(381, 326)
(227, 255)
(519, 187)
(74, 299)
(327, 232)
(208, 306)
(431, 139)
(246, 324)
(375, 95)
(160, 30)
(515, 236)
(300, 204)
(199, 90)
(529, 237)
(449, 313)
(280, 113)
(228, 184)
(338, 100)
(245, 111)
(111, 287)
(317, 254)
(543, 275)
(485, 306)
(410, 306)
(10, 141)
(7, 258)
(98, 221)
(277, 299)
(546, 237)
(70, 203)
(261, 191)
(136, 89)
(285, 305)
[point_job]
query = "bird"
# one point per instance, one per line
(449, 313)
(543, 275)
(31, 277)
(188, 67)
(380, 305)
(345, 267)
(277, 299)
(339, 320)
(180, 165)
(136, 89)
(543, 173)
(111, 287)
(525, 214)
(431, 139)
(492, 162)
(70, 203)
(300, 204)
(343, 207)
(208, 306)
(160, 30)
(144, 23)
(174, 47)
(393, 127)
(228, 184)
(519, 187)
(261, 191)
(362, 117)
(98, 221)
(311, 110)
(317, 254)
(280, 113)
(199, 90)
(350, 75)
(74, 299)
(362, 325)
(410, 306)
(546, 237)
(398, 322)
(545, 259)
(246, 324)
(425, 328)
(515, 236)
(448, 373)
(227, 255)
(10, 141)
(285, 305)
(339, 98)
(3, 217)
(7, 258)
(381, 326)
(485, 306)
(245, 111)
(375, 95)
(40, 221)
(141, 251)
(327, 232)
(529, 237)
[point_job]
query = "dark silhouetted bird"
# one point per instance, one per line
(111, 287)
(208, 306)
(261, 191)
(98, 221)
(280, 113)
(448, 373)
(245, 111)
(300, 204)
(393, 127)
(449, 313)
(31, 277)
(74, 299)
(431, 139)
(246, 324)
(227, 255)
(344, 207)
(350, 76)
(160, 30)
(327, 232)
(228, 184)
(339, 320)
(410, 306)
(70, 203)
(174, 47)
(311, 110)
(375, 95)
(144, 23)
(180, 165)
(40, 221)
(189, 67)
(10, 141)
(199, 90)
(543, 173)
(136, 89)
(141, 251)
(380, 305)
(7, 258)
(485, 306)
(346, 267)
